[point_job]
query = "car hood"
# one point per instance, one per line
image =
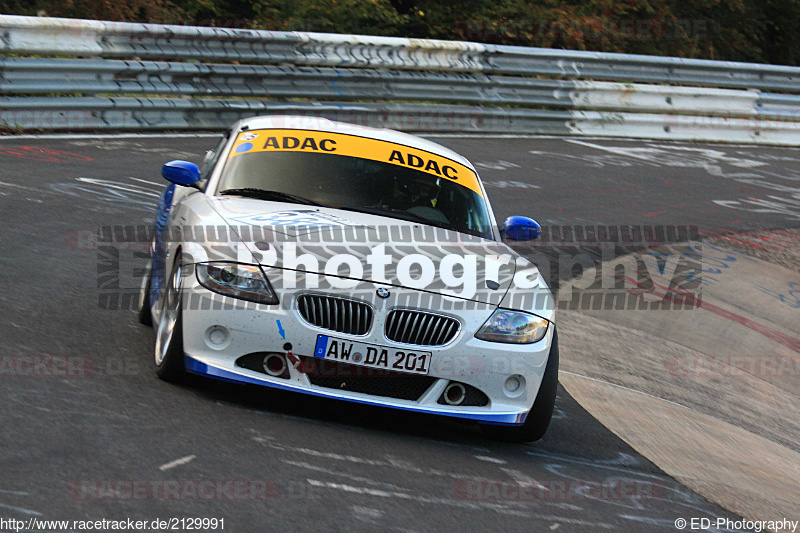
(333, 249)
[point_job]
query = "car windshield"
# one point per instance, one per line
(356, 184)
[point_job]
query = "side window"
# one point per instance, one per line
(210, 160)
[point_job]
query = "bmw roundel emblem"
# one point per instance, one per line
(383, 293)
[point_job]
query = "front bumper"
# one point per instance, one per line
(219, 330)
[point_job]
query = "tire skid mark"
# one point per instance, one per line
(400, 495)
(22, 510)
(110, 190)
(622, 469)
(351, 477)
(386, 463)
(690, 299)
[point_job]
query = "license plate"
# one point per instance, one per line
(372, 355)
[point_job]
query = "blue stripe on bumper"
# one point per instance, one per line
(198, 367)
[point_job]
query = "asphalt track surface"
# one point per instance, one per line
(68, 441)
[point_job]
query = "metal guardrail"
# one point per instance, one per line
(90, 75)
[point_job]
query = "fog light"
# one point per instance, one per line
(514, 386)
(455, 393)
(275, 365)
(217, 337)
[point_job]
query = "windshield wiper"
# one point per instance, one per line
(263, 194)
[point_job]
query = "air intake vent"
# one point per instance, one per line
(335, 314)
(417, 327)
(374, 381)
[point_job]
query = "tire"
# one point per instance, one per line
(538, 419)
(145, 314)
(169, 333)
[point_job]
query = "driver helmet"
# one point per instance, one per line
(419, 189)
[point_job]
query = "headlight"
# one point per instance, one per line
(513, 327)
(245, 282)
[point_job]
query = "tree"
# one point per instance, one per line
(366, 17)
(128, 11)
(737, 30)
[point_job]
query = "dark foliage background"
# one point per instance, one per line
(765, 31)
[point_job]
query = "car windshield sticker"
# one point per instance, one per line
(323, 142)
(293, 218)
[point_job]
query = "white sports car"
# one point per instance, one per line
(355, 264)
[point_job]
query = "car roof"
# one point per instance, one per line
(299, 122)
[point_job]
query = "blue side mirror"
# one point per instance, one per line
(520, 228)
(181, 173)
